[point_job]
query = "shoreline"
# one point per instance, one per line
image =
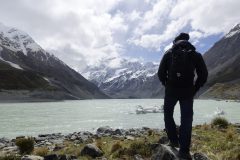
(7, 101)
(72, 143)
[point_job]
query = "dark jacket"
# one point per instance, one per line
(191, 87)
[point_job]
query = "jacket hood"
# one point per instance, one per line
(183, 44)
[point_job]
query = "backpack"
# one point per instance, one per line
(181, 67)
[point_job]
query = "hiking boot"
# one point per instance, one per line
(184, 156)
(173, 144)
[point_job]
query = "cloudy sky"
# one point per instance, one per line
(85, 32)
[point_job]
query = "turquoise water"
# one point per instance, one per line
(69, 116)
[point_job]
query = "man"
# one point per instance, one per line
(176, 72)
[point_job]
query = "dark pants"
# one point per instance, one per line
(185, 132)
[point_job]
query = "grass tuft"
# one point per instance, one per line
(10, 157)
(116, 146)
(220, 122)
(42, 151)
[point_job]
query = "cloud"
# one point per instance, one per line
(87, 32)
(71, 28)
(198, 17)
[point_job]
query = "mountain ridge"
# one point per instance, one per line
(21, 50)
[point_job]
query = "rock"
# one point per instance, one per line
(63, 157)
(43, 135)
(48, 143)
(138, 157)
(118, 132)
(10, 150)
(87, 133)
(145, 128)
(104, 130)
(73, 137)
(39, 139)
(163, 140)
(237, 125)
(57, 141)
(57, 148)
(83, 138)
(19, 137)
(163, 152)
(2, 145)
(51, 157)
(31, 157)
(4, 140)
(92, 151)
(200, 156)
(130, 138)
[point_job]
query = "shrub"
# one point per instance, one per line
(220, 122)
(25, 145)
(116, 146)
(42, 151)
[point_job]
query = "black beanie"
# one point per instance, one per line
(182, 36)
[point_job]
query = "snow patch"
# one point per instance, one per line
(233, 31)
(112, 78)
(150, 74)
(230, 34)
(17, 40)
(12, 64)
(46, 79)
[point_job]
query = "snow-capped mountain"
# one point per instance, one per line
(17, 40)
(235, 30)
(38, 70)
(132, 79)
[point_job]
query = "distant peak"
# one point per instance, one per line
(17, 40)
(235, 30)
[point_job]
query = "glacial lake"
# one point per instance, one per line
(31, 119)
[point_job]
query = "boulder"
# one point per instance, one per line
(163, 140)
(105, 130)
(138, 157)
(130, 138)
(51, 157)
(118, 132)
(91, 150)
(163, 152)
(31, 157)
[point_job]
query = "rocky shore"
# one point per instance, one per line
(107, 143)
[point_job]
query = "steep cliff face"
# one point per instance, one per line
(223, 61)
(27, 60)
